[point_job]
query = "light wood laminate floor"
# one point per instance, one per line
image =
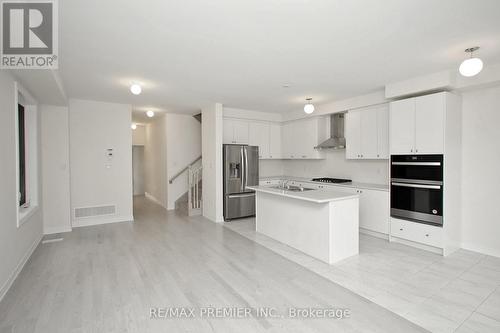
(458, 293)
(106, 278)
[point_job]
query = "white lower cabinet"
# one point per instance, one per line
(417, 232)
(374, 210)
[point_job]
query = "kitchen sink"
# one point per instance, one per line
(292, 188)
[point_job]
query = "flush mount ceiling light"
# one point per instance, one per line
(133, 126)
(150, 114)
(471, 66)
(135, 89)
(309, 107)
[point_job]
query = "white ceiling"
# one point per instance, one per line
(240, 52)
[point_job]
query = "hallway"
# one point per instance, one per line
(106, 278)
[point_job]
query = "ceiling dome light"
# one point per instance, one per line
(471, 66)
(133, 126)
(135, 89)
(150, 114)
(309, 107)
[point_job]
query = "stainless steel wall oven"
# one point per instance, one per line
(417, 188)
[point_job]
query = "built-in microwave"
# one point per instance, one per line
(417, 188)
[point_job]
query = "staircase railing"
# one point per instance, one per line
(194, 190)
(171, 180)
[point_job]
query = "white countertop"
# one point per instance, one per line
(380, 187)
(316, 196)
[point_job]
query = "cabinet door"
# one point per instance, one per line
(383, 133)
(368, 134)
(353, 134)
(307, 134)
(374, 210)
(228, 131)
(402, 126)
(286, 140)
(240, 131)
(429, 120)
(258, 135)
(274, 141)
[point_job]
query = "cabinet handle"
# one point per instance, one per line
(416, 150)
(411, 150)
(400, 229)
(426, 235)
(378, 155)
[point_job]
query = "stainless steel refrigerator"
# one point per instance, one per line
(241, 169)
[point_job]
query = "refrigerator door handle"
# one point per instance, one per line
(247, 195)
(243, 169)
(246, 168)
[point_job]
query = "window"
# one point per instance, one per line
(22, 155)
(26, 135)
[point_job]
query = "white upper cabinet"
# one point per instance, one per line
(292, 140)
(352, 133)
(240, 131)
(301, 136)
(274, 141)
(429, 124)
(383, 133)
(402, 126)
(369, 134)
(366, 133)
(417, 125)
(258, 135)
(235, 131)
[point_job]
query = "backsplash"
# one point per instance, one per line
(268, 168)
(336, 165)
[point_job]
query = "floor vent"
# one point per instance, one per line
(84, 212)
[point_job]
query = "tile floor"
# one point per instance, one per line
(458, 293)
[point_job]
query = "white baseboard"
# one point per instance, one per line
(153, 198)
(6, 286)
(475, 248)
(373, 233)
(91, 222)
(417, 245)
(56, 230)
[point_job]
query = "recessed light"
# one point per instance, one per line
(133, 126)
(286, 85)
(135, 89)
(150, 114)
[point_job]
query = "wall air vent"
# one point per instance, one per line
(84, 212)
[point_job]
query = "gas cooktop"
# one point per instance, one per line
(331, 180)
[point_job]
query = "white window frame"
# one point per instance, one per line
(31, 143)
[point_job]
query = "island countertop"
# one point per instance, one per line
(316, 196)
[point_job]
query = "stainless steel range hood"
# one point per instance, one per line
(337, 139)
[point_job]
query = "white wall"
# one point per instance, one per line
(480, 170)
(336, 165)
(183, 147)
(95, 180)
(139, 135)
(211, 132)
(16, 244)
(269, 168)
(54, 127)
(155, 161)
(138, 170)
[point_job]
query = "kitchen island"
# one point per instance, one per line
(322, 223)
